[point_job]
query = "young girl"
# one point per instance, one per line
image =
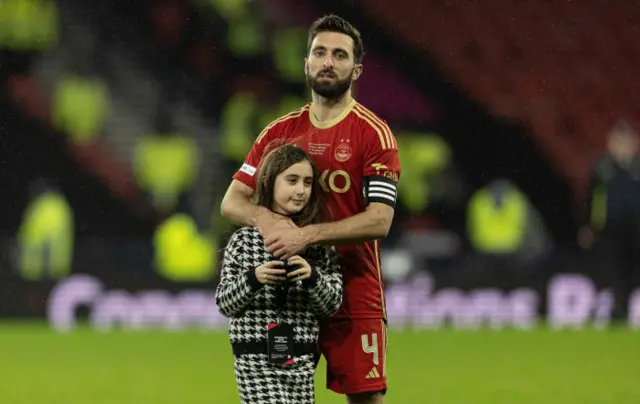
(274, 306)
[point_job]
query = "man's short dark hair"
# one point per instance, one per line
(333, 23)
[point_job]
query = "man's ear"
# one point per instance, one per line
(357, 71)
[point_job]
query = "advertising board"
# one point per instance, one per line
(565, 301)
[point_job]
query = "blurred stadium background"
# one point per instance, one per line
(121, 123)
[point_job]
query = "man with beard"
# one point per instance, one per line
(357, 157)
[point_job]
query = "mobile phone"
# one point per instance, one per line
(289, 267)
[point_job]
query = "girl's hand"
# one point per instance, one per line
(269, 274)
(304, 269)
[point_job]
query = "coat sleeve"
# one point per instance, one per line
(595, 198)
(325, 285)
(238, 283)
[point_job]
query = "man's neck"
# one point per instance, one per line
(325, 109)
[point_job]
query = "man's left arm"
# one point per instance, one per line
(372, 224)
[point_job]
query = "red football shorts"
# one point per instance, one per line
(355, 351)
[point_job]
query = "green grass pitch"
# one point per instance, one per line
(444, 366)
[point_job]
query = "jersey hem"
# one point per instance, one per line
(243, 178)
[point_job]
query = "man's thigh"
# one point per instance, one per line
(355, 351)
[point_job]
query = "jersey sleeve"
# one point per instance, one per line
(381, 171)
(269, 139)
(249, 169)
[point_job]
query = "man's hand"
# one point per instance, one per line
(285, 242)
(266, 221)
(274, 222)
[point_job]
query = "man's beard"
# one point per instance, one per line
(329, 90)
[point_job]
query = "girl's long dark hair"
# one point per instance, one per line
(274, 163)
(278, 161)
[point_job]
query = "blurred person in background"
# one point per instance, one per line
(46, 235)
(28, 28)
(81, 99)
(182, 252)
(166, 165)
(613, 211)
(273, 301)
(357, 156)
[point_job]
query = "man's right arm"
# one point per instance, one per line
(237, 207)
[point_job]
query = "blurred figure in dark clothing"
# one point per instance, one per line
(613, 211)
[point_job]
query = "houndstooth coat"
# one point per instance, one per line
(251, 306)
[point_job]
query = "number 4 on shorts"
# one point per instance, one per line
(371, 348)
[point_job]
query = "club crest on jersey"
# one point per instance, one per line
(343, 151)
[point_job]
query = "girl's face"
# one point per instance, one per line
(292, 189)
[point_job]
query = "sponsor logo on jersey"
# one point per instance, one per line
(248, 169)
(391, 175)
(386, 173)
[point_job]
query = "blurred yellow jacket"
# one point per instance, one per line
(182, 254)
(46, 238)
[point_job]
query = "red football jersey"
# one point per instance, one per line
(357, 158)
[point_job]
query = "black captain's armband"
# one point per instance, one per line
(380, 189)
